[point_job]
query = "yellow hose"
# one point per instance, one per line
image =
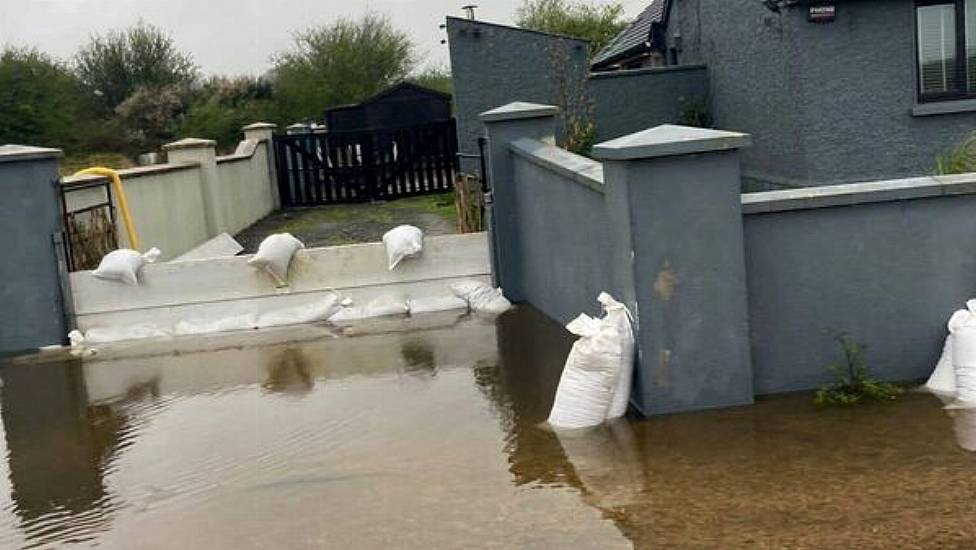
(112, 175)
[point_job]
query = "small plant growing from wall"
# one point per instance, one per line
(694, 112)
(575, 104)
(853, 382)
(960, 160)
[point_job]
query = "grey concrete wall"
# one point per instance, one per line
(630, 101)
(493, 65)
(825, 103)
(31, 306)
(565, 240)
(886, 263)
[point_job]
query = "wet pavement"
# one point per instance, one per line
(427, 434)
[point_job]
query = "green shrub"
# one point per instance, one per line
(960, 160)
(853, 382)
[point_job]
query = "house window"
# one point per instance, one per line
(946, 45)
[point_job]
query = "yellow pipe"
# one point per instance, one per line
(112, 175)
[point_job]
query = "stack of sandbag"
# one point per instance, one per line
(955, 373)
(596, 380)
(382, 306)
(481, 297)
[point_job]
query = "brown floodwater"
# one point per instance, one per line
(428, 433)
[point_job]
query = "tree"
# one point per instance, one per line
(41, 101)
(436, 78)
(116, 65)
(222, 106)
(345, 62)
(597, 23)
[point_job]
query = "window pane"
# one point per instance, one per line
(971, 45)
(937, 49)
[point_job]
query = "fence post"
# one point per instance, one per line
(263, 132)
(677, 188)
(504, 125)
(204, 153)
(34, 307)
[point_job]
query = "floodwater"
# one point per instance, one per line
(426, 434)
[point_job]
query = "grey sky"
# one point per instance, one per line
(232, 36)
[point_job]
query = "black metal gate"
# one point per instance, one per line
(379, 164)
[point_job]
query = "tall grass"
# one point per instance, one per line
(959, 160)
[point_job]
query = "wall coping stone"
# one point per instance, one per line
(130, 173)
(12, 153)
(645, 70)
(190, 143)
(518, 110)
(669, 140)
(580, 169)
(260, 126)
(850, 194)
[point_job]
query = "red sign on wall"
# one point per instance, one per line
(824, 13)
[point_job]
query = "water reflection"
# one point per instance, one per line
(59, 447)
(418, 357)
(289, 372)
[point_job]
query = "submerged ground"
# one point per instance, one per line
(427, 434)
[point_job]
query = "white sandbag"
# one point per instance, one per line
(405, 241)
(104, 335)
(618, 315)
(481, 297)
(275, 254)
(436, 303)
(590, 376)
(380, 307)
(943, 379)
(964, 424)
(124, 265)
(319, 310)
(244, 321)
(964, 361)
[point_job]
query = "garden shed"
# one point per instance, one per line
(404, 104)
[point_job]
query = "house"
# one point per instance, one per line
(831, 91)
(641, 44)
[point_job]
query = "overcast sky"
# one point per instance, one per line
(233, 36)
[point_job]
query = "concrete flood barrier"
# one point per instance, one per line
(212, 289)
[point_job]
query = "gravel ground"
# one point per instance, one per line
(355, 223)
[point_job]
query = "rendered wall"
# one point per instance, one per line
(492, 65)
(564, 236)
(170, 209)
(629, 101)
(886, 266)
(825, 103)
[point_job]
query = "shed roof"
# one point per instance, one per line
(636, 36)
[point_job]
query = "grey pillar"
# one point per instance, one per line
(677, 188)
(503, 126)
(32, 308)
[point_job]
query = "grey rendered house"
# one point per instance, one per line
(831, 91)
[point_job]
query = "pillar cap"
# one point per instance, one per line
(260, 126)
(190, 143)
(11, 153)
(518, 110)
(669, 140)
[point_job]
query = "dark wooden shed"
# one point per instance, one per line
(404, 104)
